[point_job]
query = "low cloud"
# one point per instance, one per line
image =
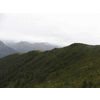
(58, 28)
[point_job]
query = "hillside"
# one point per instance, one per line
(5, 50)
(24, 46)
(77, 65)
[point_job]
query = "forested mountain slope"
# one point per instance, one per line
(77, 65)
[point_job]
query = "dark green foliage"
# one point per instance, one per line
(90, 83)
(75, 66)
(84, 84)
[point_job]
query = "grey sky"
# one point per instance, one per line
(58, 28)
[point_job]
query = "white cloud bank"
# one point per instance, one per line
(58, 28)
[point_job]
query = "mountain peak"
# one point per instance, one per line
(5, 50)
(2, 44)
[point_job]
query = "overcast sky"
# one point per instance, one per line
(56, 28)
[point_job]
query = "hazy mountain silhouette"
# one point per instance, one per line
(24, 46)
(5, 50)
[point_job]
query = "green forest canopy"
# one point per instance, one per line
(77, 65)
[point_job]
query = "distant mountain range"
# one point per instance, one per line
(24, 46)
(5, 50)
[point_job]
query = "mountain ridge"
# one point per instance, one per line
(76, 65)
(5, 50)
(25, 46)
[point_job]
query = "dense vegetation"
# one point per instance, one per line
(77, 65)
